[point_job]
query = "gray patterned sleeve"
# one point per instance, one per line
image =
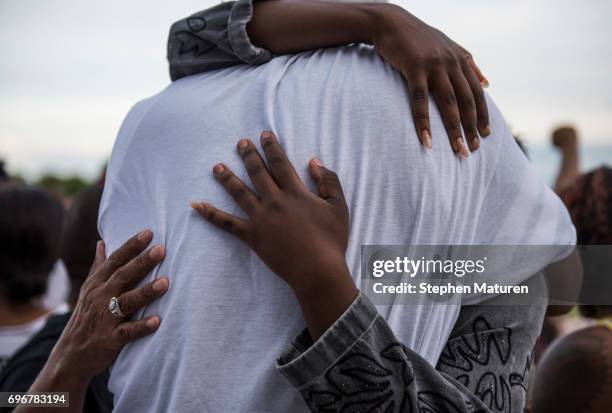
(213, 39)
(359, 365)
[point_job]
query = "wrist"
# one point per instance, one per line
(66, 363)
(325, 298)
(381, 20)
(69, 369)
(330, 281)
(374, 18)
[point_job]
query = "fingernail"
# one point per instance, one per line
(265, 135)
(218, 168)
(157, 252)
(243, 143)
(317, 162)
(463, 150)
(152, 322)
(201, 207)
(160, 285)
(144, 235)
(475, 143)
(486, 131)
(484, 83)
(426, 138)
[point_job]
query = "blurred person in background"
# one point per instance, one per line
(77, 249)
(575, 374)
(80, 236)
(588, 197)
(3, 175)
(560, 384)
(30, 225)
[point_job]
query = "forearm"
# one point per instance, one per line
(290, 26)
(570, 168)
(57, 376)
(325, 297)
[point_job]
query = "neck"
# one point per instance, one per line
(14, 315)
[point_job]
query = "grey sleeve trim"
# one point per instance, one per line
(303, 361)
(240, 16)
(359, 364)
(212, 39)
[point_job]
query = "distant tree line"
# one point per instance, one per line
(65, 186)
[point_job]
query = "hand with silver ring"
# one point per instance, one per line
(100, 325)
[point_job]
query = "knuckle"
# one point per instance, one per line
(239, 193)
(450, 98)
(248, 153)
(331, 177)
(454, 127)
(421, 116)
(276, 160)
(274, 204)
(238, 231)
(419, 95)
(227, 225)
(121, 276)
(121, 334)
(147, 291)
(450, 59)
(435, 60)
(464, 58)
(483, 115)
(225, 177)
(113, 260)
(142, 262)
(468, 103)
(254, 170)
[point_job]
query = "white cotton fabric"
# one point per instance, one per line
(226, 317)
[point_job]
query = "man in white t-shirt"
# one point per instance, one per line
(227, 317)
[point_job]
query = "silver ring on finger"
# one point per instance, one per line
(115, 308)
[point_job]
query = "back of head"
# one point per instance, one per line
(80, 235)
(30, 222)
(575, 374)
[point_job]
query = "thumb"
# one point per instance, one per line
(100, 256)
(328, 184)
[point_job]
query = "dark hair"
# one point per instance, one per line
(80, 236)
(589, 201)
(574, 374)
(30, 224)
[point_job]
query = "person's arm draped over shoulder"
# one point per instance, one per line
(240, 32)
(348, 356)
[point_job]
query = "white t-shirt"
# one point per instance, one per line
(226, 317)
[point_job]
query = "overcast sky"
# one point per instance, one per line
(71, 69)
